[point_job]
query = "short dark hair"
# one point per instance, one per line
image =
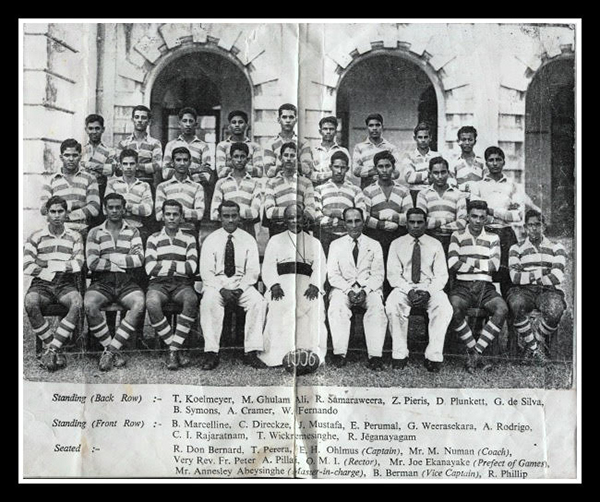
(422, 126)
(173, 203)
(296, 204)
(466, 130)
(114, 196)
(374, 116)
(328, 120)
(477, 204)
(490, 150)
(438, 160)
(386, 154)
(346, 210)
(141, 108)
(56, 199)
(239, 146)
(181, 149)
(339, 155)
(128, 152)
(415, 210)
(237, 113)
(287, 106)
(94, 117)
(285, 146)
(187, 109)
(70, 143)
(228, 203)
(534, 213)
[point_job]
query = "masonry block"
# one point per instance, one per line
(266, 129)
(228, 38)
(199, 34)
(148, 47)
(32, 189)
(173, 33)
(127, 70)
(35, 51)
(342, 58)
(438, 61)
(129, 99)
(35, 28)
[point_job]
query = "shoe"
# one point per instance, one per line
(48, 360)
(484, 363)
(106, 360)
(433, 366)
(472, 360)
(211, 361)
(183, 359)
(339, 360)
(399, 364)
(536, 357)
(252, 359)
(172, 360)
(119, 360)
(61, 360)
(376, 363)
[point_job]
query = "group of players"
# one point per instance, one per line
(421, 232)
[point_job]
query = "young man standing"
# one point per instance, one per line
(113, 250)
(238, 124)
(171, 262)
(467, 167)
(54, 257)
(363, 163)
(321, 171)
(416, 163)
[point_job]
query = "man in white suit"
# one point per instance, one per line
(355, 269)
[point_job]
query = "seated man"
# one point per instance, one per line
(171, 262)
(474, 255)
(537, 269)
(113, 250)
(356, 271)
(54, 257)
(294, 272)
(418, 273)
(230, 267)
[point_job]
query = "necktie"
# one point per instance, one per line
(355, 251)
(416, 263)
(229, 257)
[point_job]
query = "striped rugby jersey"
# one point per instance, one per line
(101, 249)
(362, 157)
(150, 155)
(544, 265)
(375, 201)
(99, 160)
(189, 193)
(272, 164)
(465, 174)
(171, 257)
(446, 213)
(474, 258)
(138, 194)
(199, 150)
(329, 196)
(281, 192)
(223, 159)
(416, 168)
(43, 245)
(247, 194)
(499, 195)
(322, 160)
(81, 193)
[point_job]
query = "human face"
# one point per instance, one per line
(237, 126)
(288, 160)
(535, 229)
(476, 220)
(339, 168)
(495, 164)
(56, 214)
(181, 163)
(70, 159)
(239, 159)
(439, 175)
(287, 120)
(187, 124)
(172, 216)
(230, 219)
(114, 210)
(128, 166)
(375, 129)
(467, 141)
(140, 120)
(416, 225)
(384, 169)
(327, 132)
(354, 223)
(293, 217)
(423, 139)
(94, 131)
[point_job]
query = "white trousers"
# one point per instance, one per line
(374, 322)
(439, 311)
(212, 310)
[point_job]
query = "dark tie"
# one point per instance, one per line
(229, 257)
(416, 263)
(355, 251)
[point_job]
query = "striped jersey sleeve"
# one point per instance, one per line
(448, 212)
(81, 193)
(246, 194)
(381, 209)
(223, 159)
(544, 266)
(43, 247)
(474, 258)
(166, 257)
(330, 202)
(188, 193)
(104, 255)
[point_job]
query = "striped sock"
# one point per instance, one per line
(43, 332)
(163, 330)
(524, 330)
(545, 329)
(63, 332)
(100, 331)
(488, 333)
(465, 334)
(123, 333)
(184, 325)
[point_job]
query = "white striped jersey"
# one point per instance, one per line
(321, 170)
(394, 207)
(43, 245)
(446, 213)
(416, 168)
(137, 195)
(102, 251)
(543, 266)
(499, 196)
(331, 198)
(474, 258)
(189, 193)
(150, 155)
(362, 157)
(272, 164)
(99, 160)
(175, 256)
(199, 151)
(247, 194)
(223, 158)
(464, 173)
(281, 192)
